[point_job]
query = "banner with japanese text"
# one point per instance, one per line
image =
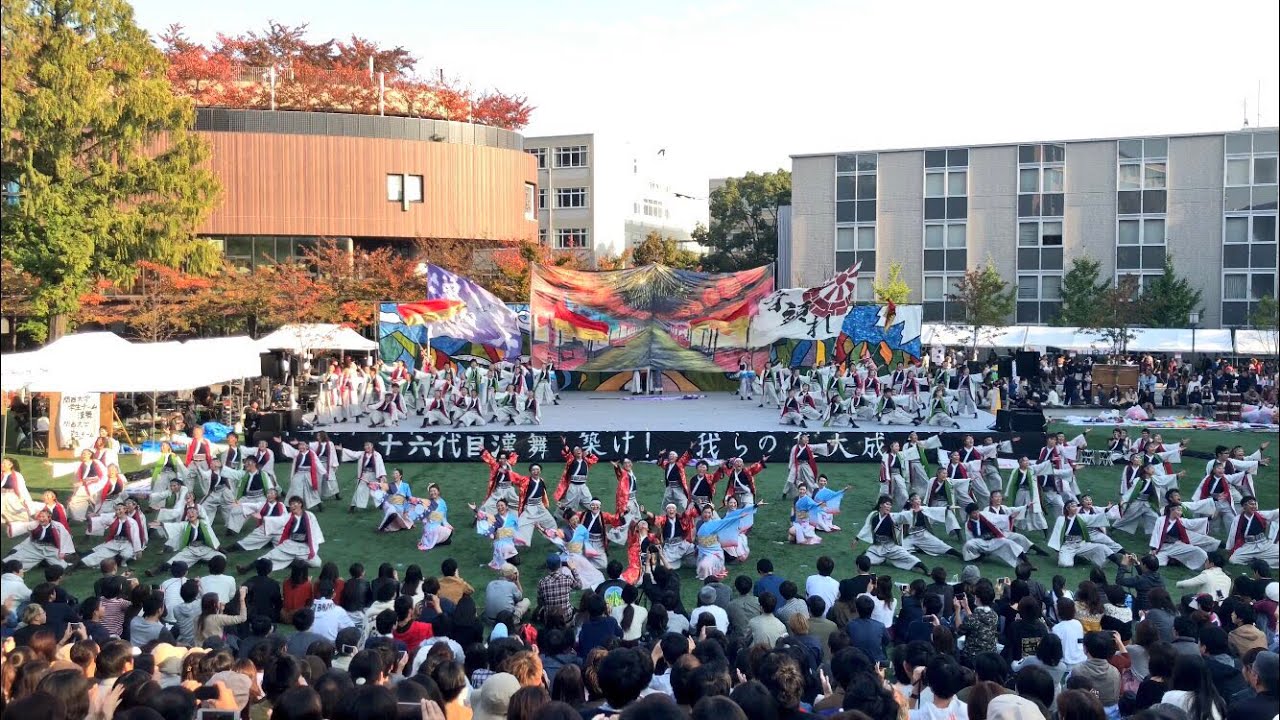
(647, 317)
(78, 419)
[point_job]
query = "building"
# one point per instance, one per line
(1207, 199)
(289, 178)
(603, 197)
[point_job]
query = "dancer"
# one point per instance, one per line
(501, 481)
(297, 536)
(740, 550)
(965, 393)
(626, 502)
(916, 454)
(920, 535)
(122, 541)
(746, 380)
(265, 457)
(1015, 515)
(572, 492)
(771, 385)
(388, 411)
(675, 533)
(702, 486)
(892, 466)
(940, 410)
(1223, 489)
(192, 541)
(802, 463)
(985, 539)
(742, 480)
(1054, 482)
(469, 410)
(642, 552)
(233, 456)
(1252, 535)
(579, 554)
(792, 410)
(304, 477)
(889, 413)
(47, 542)
(400, 509)
(825, 519)
(224, 493)
(91, 486)
(1180, 540)
(882, 533)
(839, 408)
(713, 535)
(500, 526)
(199, 451)
(544, 385)
(1141, 488)
(258, 538)
(597, 524)
(436, 530)
(675, 486)
(371, 471)
(533, 509)
(168, 466)
(15, 500)
(1072, 537)
(437, 410)
(802, 530)
(171, 504)
(330, 458)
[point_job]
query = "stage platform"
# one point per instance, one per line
(717, 425)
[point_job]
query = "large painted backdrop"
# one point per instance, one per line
(647, 317)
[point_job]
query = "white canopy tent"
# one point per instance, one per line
(316, 336)
(1001, 337)
(1180, 340)
(1258, 342)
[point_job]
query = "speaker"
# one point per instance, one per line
(1004, 421)
(1028, 421)
(270, 365)
(271, 422)
(975, 367)
(1028, 364)
(1006, 368)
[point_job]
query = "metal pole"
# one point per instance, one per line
(382, 89)
(273, 87)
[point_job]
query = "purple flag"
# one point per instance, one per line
(485, 320)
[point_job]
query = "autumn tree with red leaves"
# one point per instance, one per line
(156, 307)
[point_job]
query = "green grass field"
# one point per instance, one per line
(351, 538)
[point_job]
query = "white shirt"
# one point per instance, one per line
(715, 611)
(12, 585)
(1071, 632)
(638, 618)
(1212, 581)
(955, 710)
(224, 585)
(329, 619)
(825, 587)
(883, 611)
(172, 589)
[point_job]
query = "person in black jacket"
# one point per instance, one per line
(262, 593)
(1148, 577)
(1223, 667)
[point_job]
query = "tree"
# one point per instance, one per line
(1081, 288)
(1267, 315)
(161, 302)
(99, 145)
(17, 287)
(1168, 300)
(894, 289)
(1119, 308)
(986, 298)
(744, 221)
(659, 250)
(511, 280)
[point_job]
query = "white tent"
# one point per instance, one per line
(316, 336)
(1180, 340)
(962, 335)
(1065, 338)
(1258, 342)
(68, 355)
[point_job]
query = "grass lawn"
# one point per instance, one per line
(351, 538)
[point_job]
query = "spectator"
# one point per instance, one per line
(767, 582)
(303, 636)
(1223, 668)
(171, 588)
(766, 628)
(1211, 581)
(217, 581)
(744, 607)
(186, 614)
(262, 592)
(623, 675)
(822, 584)
(1148, 577)
(505, 595)
(1024, 634)
(820, 627)
(944, 678)
(707, 606)
(1070, 632)
(631, 617)
(1262, 677)
(146, 627)
(980, 626)
(868, 635)
(882, 595)
(555, 587)
(1102, 675)
(1191, 688)
(328, 617)
(1160, 660)
(1245, 635)
(297, 591)
(599, 627)
(213, 622)
(791, 602)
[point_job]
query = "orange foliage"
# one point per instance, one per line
(155, 307)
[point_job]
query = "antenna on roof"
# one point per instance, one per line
(1244, 104)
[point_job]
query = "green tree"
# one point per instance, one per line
(894, 289)
(659, 250)
(99, 146)
(1265, 315)
(987, 299)
(744, 221)
(1169, 299)
(1081, 287)
(1119, 308)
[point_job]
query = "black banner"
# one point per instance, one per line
(463, 446)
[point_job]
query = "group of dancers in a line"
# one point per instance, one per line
(839, 397)
(185, 494)
(385, 395)
(701, 524)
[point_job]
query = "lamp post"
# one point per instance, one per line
(1193, 319)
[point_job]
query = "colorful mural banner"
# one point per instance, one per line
(814, 313)
(646, 317)
(400, 338)
(884, 330)
(459, 308)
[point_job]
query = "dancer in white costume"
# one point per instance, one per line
(47, 542)
(882, 532)
(1252, 535)
(297, 537)
(984, 538)
(1176, 539)
(1073, 536)
(370, 472)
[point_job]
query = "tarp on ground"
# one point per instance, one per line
(647, 317)
(309, 337)
(1258, 342)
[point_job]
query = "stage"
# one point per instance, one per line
(617, 425)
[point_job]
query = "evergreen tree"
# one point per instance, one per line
(986, 297)
(99, 148)
(1081, 288)
(744, 221)
(1169, 299)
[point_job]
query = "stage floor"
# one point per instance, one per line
(717, 411)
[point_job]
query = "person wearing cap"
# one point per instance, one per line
(491, 700)
(1073, 536)
(1013, 707)
(555, 587)
(1262, 677)
(168, 662)
(1180, 539)
(1253, 534)
(505, 594)
(985, 537)
(707, 606)
(572, 492)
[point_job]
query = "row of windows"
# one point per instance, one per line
(568, 156)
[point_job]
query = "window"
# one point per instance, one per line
(404, 189)
(250, 251)
(854, 244)
(571, 238)
(1141, 201)
(946, 184)
(571, 197)
(571, 156)
(530, 201)
(1249, 247)
(1040, 180)
(856, 191)
(540, 154)
(542, 198)
(12, 192)
(542, 236)
(654, 209)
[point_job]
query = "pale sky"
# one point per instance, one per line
(741, 85)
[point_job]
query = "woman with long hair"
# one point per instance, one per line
(1191, 688)
(1080, 705)
(655, 626)
(212, 621)
(630, 616)
(1089, 607)
(568, 686)
(885, 604)
(412, 585)
(296, 589)
(329, 571)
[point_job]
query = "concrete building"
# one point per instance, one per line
(603, 196)
(1207, 199)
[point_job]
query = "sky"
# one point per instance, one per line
(733, 86)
